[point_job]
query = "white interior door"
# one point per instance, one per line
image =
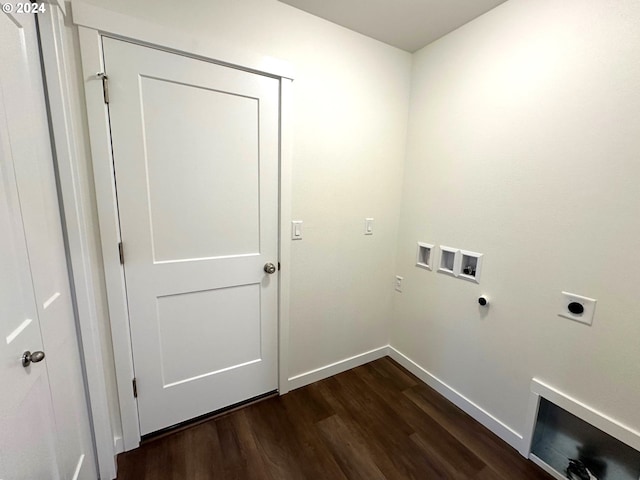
(44, 422)
(27, 434)
(195, 149)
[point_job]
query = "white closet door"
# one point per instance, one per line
(44, 425)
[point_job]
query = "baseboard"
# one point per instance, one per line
(118, 445)
(503, 431)
(337, 367)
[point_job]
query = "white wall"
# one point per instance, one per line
(351, 101)
(524, 144)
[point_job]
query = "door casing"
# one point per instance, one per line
(60, 69)
(94, 23)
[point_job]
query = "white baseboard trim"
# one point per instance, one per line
(327, 371)
(118, 445)
(544, 466)
(503, 431)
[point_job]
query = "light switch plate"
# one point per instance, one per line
(589, 305)
(368, 226)
(296, 230)
(398, 283)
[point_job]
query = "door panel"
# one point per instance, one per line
(28, 440)
(25, 411)
(226, 348)
(195, 149)
(18, 312)
(54, 407)
(27, 430)
(181, 184)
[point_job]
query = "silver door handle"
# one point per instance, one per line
(270, 268)
(28, 358)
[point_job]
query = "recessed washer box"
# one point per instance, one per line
(578, 308)
(423, 255)
(449, 261)
(470, 266)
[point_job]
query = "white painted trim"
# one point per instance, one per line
(99, 132)
(546, 467)
(581, 410)
(121, 26)
(337, 367)
(118, 445)
(530, 425)
(502, 430)
(59, 4)
(286, 186)
(77, 228)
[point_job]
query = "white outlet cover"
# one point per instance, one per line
(589, 305)
(398, 283)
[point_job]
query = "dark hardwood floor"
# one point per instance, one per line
(374, 422)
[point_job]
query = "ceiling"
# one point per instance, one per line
(406, 24)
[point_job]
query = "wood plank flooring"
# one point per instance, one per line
(375, 422)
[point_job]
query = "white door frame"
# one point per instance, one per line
(58, 69)
(94, 23)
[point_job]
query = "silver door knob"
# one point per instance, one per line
(270, 268)
(28, 358)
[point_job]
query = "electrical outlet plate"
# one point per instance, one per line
(589, 305)
(423, 255)
(398, 283)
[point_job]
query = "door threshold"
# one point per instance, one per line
(178, 427)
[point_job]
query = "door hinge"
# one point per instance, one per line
(121, 253)
(135, 388)
(105, 86)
